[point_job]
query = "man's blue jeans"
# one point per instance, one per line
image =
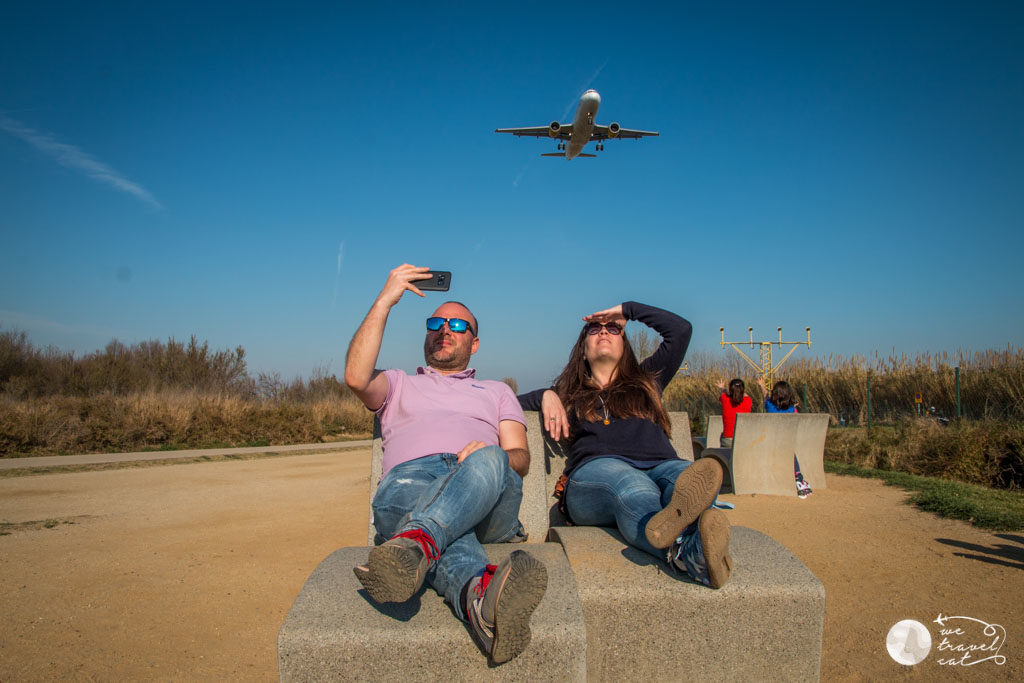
(608, 491)
(460, 505)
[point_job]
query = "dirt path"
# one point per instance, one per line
(187, 571)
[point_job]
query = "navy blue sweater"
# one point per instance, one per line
(636, 439)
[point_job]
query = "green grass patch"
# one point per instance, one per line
(986, 508)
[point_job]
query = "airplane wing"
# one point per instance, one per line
(603, 133)
(564, 131)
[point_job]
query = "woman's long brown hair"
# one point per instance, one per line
(632, 393)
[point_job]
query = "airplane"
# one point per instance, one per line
(581, 131)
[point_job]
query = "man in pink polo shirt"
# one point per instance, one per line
(455, 452)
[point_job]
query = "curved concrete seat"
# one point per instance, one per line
(761, 457)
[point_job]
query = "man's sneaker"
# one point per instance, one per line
(695, 489)
(704, 552)
(396, 569)
(505, 597)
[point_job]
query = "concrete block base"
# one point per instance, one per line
(646, 623)
(334, 631)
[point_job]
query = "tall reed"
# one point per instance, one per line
(991, 384)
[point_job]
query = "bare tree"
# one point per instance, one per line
(644, 343)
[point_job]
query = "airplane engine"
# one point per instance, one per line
(613, 130)
(554, 129)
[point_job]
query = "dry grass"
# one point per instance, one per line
(985, 448)
(986, 452)
(991, 384)
(170, 419)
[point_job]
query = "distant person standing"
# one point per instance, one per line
(782, 399)
(733, 402)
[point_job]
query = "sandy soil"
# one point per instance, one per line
(187, 571)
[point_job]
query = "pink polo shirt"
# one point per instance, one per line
(429, 413)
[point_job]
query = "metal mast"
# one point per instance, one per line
(765, 370)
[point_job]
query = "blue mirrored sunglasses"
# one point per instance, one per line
(454, 324)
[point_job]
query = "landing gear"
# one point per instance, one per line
(600, 147)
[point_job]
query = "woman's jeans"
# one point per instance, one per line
(460, 505)
(607, 491)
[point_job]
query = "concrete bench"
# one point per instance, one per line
(611, 612)
(761, 458)
(644, 621)
(334, 631)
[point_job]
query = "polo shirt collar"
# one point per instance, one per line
(468, 373)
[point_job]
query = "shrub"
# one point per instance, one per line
(986, 452)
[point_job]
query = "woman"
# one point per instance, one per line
(621, 469)
(782, 399)
(736, 401)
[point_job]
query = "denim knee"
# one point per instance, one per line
(490, 462)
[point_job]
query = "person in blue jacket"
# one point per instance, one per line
(621, 470)
(782, 399)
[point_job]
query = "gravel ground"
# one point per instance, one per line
(187, 571)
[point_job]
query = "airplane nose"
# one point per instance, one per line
(592, 96)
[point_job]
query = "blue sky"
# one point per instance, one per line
(249, 173)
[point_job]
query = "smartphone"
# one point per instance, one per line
(436, 281)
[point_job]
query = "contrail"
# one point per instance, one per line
(581, 89)
(337, 275)
(519, 176)
(71, 157)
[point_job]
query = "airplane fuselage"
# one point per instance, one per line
(583, 123)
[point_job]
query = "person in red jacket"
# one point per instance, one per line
(733, 402)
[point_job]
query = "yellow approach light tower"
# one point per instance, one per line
(765, 370)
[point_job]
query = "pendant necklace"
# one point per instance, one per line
(604, 409)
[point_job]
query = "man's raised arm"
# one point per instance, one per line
(369, 384)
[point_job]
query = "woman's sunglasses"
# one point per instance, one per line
(454, 324)
(613, 328)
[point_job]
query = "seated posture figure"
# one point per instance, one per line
(621, 469)
(455, 452)
(782, 399)
(736, 401)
